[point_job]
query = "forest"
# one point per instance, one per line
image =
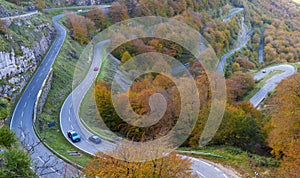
(276, 26)
(271, 132)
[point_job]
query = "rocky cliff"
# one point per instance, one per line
(28, 40)
(79, 2)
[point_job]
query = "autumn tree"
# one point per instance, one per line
(82, 28)
(98, 17)
(238, 85)
(3, 29)
(118, 12)
(169, 165)
(244, 62)
(40, 4)
(126, 56)
(284, 137)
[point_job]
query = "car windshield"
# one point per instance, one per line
(95, 137)
(74, 134)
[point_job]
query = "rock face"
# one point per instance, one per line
(84, 2)
(15, 69)
(5, 13)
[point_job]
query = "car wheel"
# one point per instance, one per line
(77, 140)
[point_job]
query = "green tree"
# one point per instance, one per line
(15, 163)
(4, 108)
(7, 137)
(240, 127)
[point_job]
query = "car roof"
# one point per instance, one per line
(95, 137)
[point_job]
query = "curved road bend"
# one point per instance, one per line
(222, 62)
(22, 122)
(69, 120)
(272, 82)
(235, 11)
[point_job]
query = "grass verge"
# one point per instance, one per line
(88, 110)
(63, 71)
(260, 84)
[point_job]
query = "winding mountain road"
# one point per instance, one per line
(69, 120)
(222, 62)
(234, 11)
(272, 82)
(22, 122)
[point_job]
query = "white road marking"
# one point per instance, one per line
(72, 127)
(206, 163)
(55, 171)
(21, 123)
(201, 175)
(40, 74)
(69, 118)
(25, 104)
(41, 159)
(22, 114)
(201, 162)
(225, 176)
(217, 169)
(70, 111)
(23, 135)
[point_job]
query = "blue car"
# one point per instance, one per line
(73, 136)
(95, 139)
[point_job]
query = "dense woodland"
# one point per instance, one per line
(274, 133)
(243, 126)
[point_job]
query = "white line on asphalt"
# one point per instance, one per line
(40, 74)
(25, 104)
(69, 118)
(205, 163)
(23, 135)
(201, 162)
(70, 111)
(225, 176)
(217, 169)
(55, 171)
(41, 159)
(72, 127)
(22, 114)
(21, 123)
(201, 175)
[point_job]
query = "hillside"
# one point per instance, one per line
(23, 42)
(247, 37)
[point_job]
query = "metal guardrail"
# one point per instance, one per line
(201, 153)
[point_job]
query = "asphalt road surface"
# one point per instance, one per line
(271, 83)
(222, 62)
(69, 120)
(235, 11)
(22, 122)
